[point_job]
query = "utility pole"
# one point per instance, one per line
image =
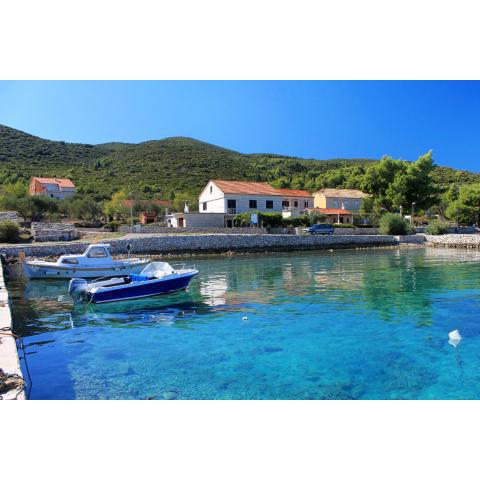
(131, 212)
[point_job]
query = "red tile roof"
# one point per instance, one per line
(257, 188)
(342, 193)
(330, 211)
(61, 182)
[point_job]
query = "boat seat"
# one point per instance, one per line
(139, 278)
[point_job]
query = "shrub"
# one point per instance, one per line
(9, 232)
(393, 224)
(112, 226)
(343, 225)
(437, 227)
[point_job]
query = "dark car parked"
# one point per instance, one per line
(319, 229)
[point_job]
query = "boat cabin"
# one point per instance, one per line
(94, 252)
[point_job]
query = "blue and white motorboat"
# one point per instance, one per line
(158, 278)
(95, 262)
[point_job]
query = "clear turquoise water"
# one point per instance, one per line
(320, 325)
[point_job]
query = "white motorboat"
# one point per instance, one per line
(95, 262)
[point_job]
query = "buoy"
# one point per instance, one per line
(454, 338)
(244, 319)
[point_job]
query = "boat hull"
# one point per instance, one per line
(144, 289)
(39, 270)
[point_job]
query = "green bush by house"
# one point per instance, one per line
(393, 224)
(437, 227)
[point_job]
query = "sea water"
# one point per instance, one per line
(346, 324)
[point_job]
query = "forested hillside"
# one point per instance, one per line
(175, 168)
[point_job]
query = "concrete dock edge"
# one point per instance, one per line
(9, 361)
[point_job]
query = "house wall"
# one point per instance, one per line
(60, 195)
(202, 220)
(192, 220)
(352, 204)
(213, 197)
(243, 203)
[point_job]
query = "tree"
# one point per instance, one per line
(115, 207)
(84, 208)
(395, 183)
(380, 175)
(17, 189)
(466, 208)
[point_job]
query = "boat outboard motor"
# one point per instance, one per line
(77, 288)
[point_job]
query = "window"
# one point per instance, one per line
(305, 204)
(97, 253)
(335, 204)
(252, 204)
(269, 204)
(231, 204)
(70, 261)
(285, 203)
(211, 189)
(295, 203)
(204, 205)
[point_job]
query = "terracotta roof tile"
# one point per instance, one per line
(61, 182)
(257, 188)
(342, 193)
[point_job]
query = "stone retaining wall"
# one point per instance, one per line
(356, 231)
(12, 216)
(208, 243)
(9, 361)
(180, 230)
(53, 232)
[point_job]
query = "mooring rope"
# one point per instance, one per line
(8, 332)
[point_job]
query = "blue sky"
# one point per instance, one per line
(310, 119)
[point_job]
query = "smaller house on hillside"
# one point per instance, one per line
(58, 188)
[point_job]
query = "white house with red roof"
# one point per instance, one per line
(233, 197)
(58, 188)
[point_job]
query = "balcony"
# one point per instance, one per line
(231, 211)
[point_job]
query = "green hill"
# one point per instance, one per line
(172, 167)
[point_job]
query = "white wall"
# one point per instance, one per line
(217, 202)
(199, 220)
(214, 198)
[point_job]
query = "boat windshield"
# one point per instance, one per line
(98, 252)
(156, 269)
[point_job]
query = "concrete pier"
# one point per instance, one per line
(9, 361)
